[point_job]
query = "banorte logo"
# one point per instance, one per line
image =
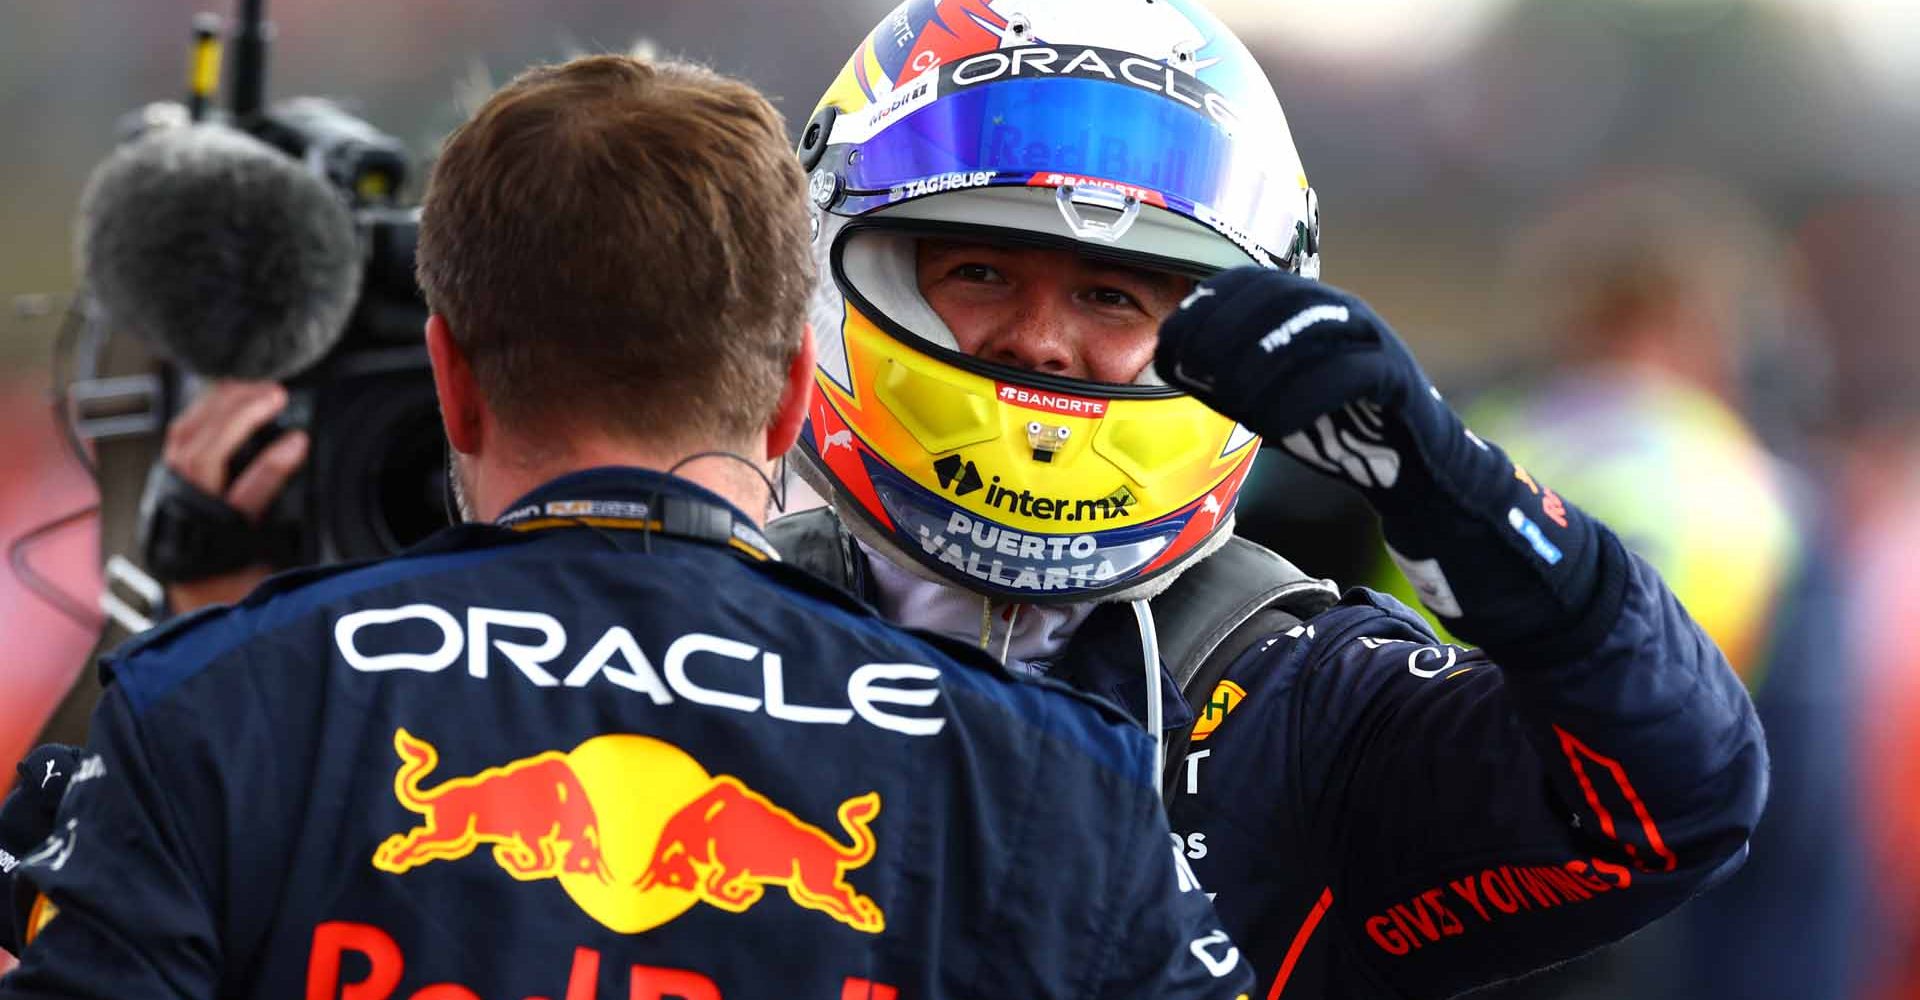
(632, 861)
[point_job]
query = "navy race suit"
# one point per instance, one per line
(1378, 814)
(586, 755)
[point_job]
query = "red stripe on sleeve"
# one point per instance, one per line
(1300, 942)
(1575, 751)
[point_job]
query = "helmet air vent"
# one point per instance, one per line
(941, 415)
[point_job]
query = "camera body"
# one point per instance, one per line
(375, 477)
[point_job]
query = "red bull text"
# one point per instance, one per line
(380, 955)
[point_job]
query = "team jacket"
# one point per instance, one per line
(584, 756)
(1378, 814)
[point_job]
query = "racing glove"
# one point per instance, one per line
(26, 818)
(1501, 558)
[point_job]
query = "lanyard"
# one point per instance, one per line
(668, 514)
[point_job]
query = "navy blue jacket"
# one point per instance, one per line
(582, 760)
(1378, 814)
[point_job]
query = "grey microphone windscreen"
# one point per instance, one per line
(228, 257)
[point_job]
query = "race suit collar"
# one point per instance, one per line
(1094, 647)
(634, 499)
(1031, 637)
(615, 482)
(1104, 659)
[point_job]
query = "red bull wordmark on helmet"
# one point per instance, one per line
(633, 856)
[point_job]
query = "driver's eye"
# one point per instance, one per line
(1112, 297)
(975, 272)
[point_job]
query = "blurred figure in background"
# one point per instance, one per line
(1660, 303)
(1860, 252)
(1888, 604)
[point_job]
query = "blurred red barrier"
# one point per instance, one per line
(44, 648)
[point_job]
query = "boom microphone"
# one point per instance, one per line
(231, 259)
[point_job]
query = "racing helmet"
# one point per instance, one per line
(1139, 132)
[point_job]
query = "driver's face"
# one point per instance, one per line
(1051, 311)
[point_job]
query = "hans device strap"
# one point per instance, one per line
(665, 514)
(1215, 612)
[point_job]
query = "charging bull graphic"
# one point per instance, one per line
(632, 855)
(533, 811)
(730, 843)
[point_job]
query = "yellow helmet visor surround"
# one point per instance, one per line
(1017, 491)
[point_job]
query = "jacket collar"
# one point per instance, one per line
(613, 484)
(1104, 658)
(642, 500)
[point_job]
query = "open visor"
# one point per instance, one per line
(1153, 133)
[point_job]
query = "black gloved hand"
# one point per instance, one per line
(1503, 559)
(26, 819)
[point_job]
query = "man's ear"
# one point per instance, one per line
(462, 410)
(784, 429)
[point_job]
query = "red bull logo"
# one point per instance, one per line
(632, 856)
(730, 843)
(534, 812)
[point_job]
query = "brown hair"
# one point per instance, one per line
(622, 242)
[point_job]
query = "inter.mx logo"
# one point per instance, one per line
(963, 478)
(959, 476)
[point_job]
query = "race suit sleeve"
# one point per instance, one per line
(124, 909)
(1166, 940)
(1090, 899)
(1490, 813)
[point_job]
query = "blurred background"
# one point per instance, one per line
(1662, 249)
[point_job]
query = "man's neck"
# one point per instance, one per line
(497, 482)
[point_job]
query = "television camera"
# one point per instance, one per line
(187, 282)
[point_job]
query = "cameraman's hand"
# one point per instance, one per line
(200, 444)
(1500, 556)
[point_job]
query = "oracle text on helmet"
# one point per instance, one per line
(1088, 62)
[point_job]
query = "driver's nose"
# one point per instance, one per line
(1037, 336)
